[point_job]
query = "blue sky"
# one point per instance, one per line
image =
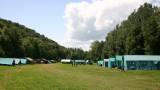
(44, 16)
(72, 23)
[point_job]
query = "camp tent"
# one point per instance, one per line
(23, 61)
(80, 61)
(141, 62)
(89, 62)
(17, 61)
(6, 61)
(111, 62)
(12, 61)
(66, 61)
(105, 62)
(100, 63)
(30, 60)
(20, 61)
(119, 61)
(52, 61)
(44, 61)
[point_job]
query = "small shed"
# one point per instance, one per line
(111, 62)
(141, 62)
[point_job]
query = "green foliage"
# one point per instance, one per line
(75, 53)
(96, 52)
(18, 41)
(139, 34)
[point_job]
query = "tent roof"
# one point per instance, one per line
(29, 59)
(142, 57)
(80, 60)
(23, 61)
(9, 61)
(106, 59)
(100, 62)
(111, 59)
(65, 60)
(119, 58)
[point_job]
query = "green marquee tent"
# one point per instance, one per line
(141, 62)
(12, 61)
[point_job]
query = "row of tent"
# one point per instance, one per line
(18, 61)
(132, 62)
(12, 61)
(69, 61)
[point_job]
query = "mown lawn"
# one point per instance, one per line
(66, 77)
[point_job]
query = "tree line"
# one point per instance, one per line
(138, 35)
(18, 41)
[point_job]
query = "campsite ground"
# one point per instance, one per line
(66, 77)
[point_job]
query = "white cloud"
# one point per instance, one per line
(156, 2)
(89, 21)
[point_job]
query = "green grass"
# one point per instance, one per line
(66, 77)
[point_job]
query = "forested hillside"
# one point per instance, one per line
(139, 34)
(19, 41)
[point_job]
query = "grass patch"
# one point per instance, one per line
(66, 77)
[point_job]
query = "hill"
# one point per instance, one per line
(19, 41)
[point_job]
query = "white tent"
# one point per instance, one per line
(65, 61)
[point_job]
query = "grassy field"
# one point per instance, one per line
(66, 77)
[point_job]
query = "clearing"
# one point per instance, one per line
(65, 77)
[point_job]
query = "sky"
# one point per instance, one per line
(71, 23)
